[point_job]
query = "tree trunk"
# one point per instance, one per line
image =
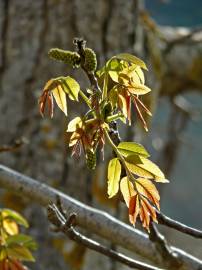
(28, 30)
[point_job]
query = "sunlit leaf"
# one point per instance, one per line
(148, 189)
(138, 89)
(114, 173)
(60, 98)
(132, 59)
(71, 87)
(20, 252)
(10, 227)
(74, 124)
(3, 253)
(14, 216)
(127, 190)
(134, 208)
(140, 74)
(132, 148)
(21, 239)
(123, 104)
(113, 96)
(152, 168)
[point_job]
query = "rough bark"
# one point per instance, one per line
(28, 29)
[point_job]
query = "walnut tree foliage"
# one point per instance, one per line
(15, 247)
(115, 91)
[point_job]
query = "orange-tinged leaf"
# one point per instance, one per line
(134, 208)
(148, 189)
(150, 210)
(50, 85)
(60, 98)
(127, 190)
(144, 216)
(114, 173)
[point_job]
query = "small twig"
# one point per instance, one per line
(169, 222)
(66, 225)
(163, 247)
(13, 146)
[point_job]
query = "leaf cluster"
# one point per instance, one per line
(14, 246)
(120, 83)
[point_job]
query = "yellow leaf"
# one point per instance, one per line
(138, 89)
(71, 87)
(74, 123)
(123, 104)
(60, 98)
(127, 190)
(147, 169)
(140, 74)
(10, 226)
(131, 59)
(114, 173)
(152, 168)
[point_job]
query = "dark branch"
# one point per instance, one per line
(66, 225)
(169, 222)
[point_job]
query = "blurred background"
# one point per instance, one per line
(167, 35)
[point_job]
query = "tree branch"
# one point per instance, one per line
(169, 222)
(66, 226)
(96, 221)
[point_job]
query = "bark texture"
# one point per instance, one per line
(28, 29)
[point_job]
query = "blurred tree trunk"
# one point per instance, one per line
(28, 29)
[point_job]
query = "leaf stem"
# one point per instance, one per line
(114, 117)
(85, 98)
(129, 174)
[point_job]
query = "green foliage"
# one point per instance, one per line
(115, 88)
(14, 247)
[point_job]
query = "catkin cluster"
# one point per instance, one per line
(90, 159)
(90, 63)
(68, 57)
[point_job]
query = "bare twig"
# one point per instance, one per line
(169, 222)
(14, 145)
(66, 225)
(163, 247)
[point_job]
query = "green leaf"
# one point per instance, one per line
(71, 87)
(132, 59)
(132, 148)
(113, 96)
(114, 174)
(20, 252)
(134, 159)
(3, 253)
(21, 239)
(13, 215)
